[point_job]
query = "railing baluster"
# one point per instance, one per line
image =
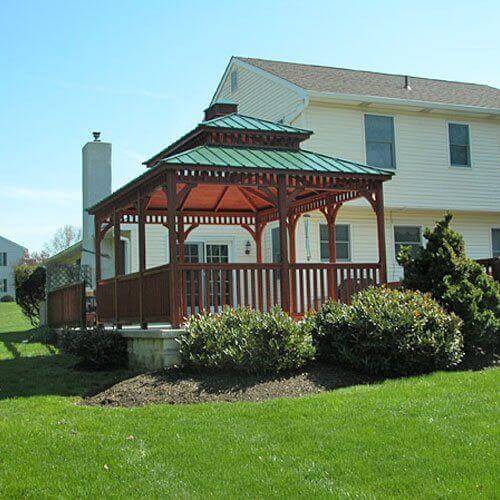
(267, 274)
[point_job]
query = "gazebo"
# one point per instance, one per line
(234, 170)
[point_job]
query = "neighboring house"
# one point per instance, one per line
(442, 140)
(10, 255)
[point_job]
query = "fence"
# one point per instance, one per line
(66, 305)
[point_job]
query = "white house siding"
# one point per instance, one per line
(423, 178)
(14, 255)
(259, 95)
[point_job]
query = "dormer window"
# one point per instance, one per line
(234, 81)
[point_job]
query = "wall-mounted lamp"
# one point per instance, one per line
(248, 246)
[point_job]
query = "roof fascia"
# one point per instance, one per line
(394, 101)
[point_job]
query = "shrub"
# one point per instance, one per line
(386, 331)
(30, 290)
(246, 340)
(459, 284)
(44, 335)
(97, 348)
(6, 298)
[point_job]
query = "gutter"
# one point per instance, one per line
(337, 96)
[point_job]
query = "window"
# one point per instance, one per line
(408, 236)
(342, 242)
(4, 285)
(3, 258)
(234, 81)
(495, 242)
(379, 141)
(458, 134)
(275, 244)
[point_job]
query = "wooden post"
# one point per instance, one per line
(171, 190)
(259, 229)
(141, 208)
(285, 267)
(97, 249)
(292, 225)
(382, 254)
(117, 253)
(331, 217)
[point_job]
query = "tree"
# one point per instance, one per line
(30, 290)
(63, 238)
(458, 283)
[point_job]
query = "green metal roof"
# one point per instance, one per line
(242, 122)
(275, 159)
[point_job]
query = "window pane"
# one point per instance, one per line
(323, 232)
(342, 250)
(342, 232)
(379, 128)
(324, 251)
(379, 154)
(407, 234)
(275, 236)
(459, 134)
(459, 155)
(495, 239)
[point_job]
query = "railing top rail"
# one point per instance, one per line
(64, 287)
(335, 265)
(231, 266)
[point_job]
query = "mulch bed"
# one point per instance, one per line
(180, 386)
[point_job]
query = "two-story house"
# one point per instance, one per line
(10, 255)
(441, 138)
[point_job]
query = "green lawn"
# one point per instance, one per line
(425, 436)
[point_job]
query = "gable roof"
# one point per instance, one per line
(235, 121)
(11, 242)
(368, 83)
(269, 159)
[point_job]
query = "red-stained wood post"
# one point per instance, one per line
(141, 209)
(292, 225)
(97, 250)
(285, 265)
(175, 291)
(330, 214)
(117, 253)
(382, 254)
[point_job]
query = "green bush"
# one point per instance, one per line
(97, 348)
(459, 284)
(392, 332)
(246, 340)
(44, 335)
(6, 298)
(30, 290)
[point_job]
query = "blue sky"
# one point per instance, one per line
(143, 71)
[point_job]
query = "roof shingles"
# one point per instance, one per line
(368, 83)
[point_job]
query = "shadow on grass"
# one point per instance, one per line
(41, 370)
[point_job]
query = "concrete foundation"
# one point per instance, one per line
(153, 349)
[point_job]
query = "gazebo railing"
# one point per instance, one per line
(146, 298)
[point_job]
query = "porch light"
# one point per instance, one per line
(248, 246)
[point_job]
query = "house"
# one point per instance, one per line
(10, 255)
(439, 141)
(440, 138)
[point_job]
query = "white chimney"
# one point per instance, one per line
(96, 185)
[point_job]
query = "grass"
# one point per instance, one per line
(427, 436)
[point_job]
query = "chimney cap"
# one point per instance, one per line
(97, 136)
(220, 108)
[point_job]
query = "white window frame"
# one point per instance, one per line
(363, 134)
(448, 144)
(233, 84)
(420, 232)
(491, 238)
(349, 242)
